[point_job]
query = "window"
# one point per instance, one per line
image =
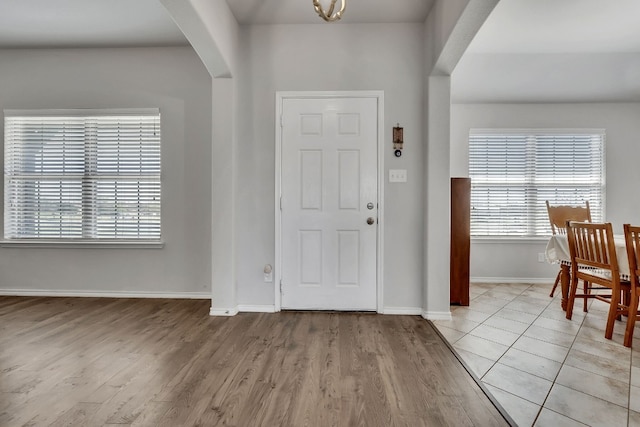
(82, 175)
(513, 173)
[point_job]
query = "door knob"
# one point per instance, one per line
(370, 220)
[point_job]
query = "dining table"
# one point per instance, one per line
(557, 252)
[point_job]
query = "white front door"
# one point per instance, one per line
(329, 203)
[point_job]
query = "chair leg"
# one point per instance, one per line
(572, 296)
(555, 284)
(613, 313)
(631, 318)
(587, 291)
(623, 301)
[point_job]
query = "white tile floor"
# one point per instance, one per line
(546, 370)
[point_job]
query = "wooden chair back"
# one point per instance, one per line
(558, 217)
(594, 260)
(560, 214)
(592, 246)
(632, 240)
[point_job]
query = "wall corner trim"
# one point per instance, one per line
(248, 308)
(224, 312)
(402, 311)
(437, 315)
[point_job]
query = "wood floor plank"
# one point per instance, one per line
(285, 373)
(78, 415)
(98, 362)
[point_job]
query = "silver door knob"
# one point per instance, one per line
(370, 220)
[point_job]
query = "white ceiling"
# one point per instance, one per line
(117, 23)
(553, 51)
(560, 26)
(86, 23)
(515, 26)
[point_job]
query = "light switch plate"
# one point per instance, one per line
(397, 175)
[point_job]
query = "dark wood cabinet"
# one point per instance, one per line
(460, 240)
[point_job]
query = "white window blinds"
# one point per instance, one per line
(513, 173)
(82, 175)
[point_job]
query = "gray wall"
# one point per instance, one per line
(172, 79)
(330, 58)
(518, 259)
(547, 78)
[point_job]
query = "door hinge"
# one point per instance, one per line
(281, 293)
(281, 121)
(281, 203)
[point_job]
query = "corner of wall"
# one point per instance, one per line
(436, 315)
(222, 312)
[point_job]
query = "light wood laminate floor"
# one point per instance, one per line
(95, 362)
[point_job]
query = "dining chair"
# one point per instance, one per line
(558, 217)
(594, 260)
(632, 240)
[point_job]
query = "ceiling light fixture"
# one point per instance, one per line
(328, 15)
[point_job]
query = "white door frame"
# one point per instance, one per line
(280, 97)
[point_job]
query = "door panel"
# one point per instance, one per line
(349, 179)
(329, 176)
(348, 258)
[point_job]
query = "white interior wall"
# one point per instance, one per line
(213, 32)
(394, 58)
(547, 78)
(441, 22)
(223, 196)
(519, 259)
(449, 29)
(321, 57)
(172, 79)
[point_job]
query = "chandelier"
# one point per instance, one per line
(328, 15)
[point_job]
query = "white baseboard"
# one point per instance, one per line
(437, 315)
(103, 294)
(225, 312)
(257, 308)
(533, 281)
(402, 311)
(246, 308)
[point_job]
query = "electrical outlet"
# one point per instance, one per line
(541, 257)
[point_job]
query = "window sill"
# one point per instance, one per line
(78, 244)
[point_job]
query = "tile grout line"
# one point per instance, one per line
(630, 389)
(553, 382)
(511, 346)
(505, 414)
(522, 333)
(558, 374)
